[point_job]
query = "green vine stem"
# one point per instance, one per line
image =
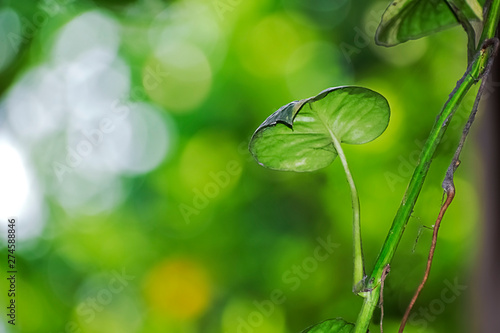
(386, 254)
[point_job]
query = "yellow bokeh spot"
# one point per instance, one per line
(178, 288)
(266, 48)
(403, 54)
(389, 138)
(314, 67)
(179, 77)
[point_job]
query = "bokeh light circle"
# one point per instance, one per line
(178, 288)
(91, 31)
(266, 47)
(179, 77)
(314, 67)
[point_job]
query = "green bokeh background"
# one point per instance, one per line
(201, 235)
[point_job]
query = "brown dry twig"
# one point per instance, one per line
(449, 198)
(448, 183)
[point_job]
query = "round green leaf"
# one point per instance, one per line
(337, 325)
(411, 19)
(299, 136)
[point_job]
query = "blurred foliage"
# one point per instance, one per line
(124, 133)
